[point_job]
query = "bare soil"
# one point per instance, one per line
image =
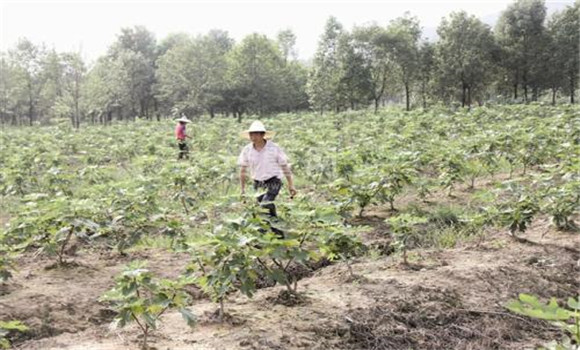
(452, 299)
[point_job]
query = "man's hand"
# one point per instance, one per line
(292, 192)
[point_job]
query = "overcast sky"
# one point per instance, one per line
(90, 26)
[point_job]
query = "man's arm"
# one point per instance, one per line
(283, 162)
(243, 178)
(288, 174)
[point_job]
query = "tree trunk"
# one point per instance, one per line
(463, 97)
(156, 109)
(407, 95)
(30, 111)
(553, 96)
(515, 91)
(525, 86)
(76, 101)
(469, 96)
(572, 90)
(377, 105)
(424, 95)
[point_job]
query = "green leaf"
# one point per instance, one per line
(150, 319)
(189, 317)
(13, 326)
(574, 304)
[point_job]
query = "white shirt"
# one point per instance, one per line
(264, 164)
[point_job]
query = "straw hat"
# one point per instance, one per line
(257, 126)
(184, 119)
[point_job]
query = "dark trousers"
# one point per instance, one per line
(183, 150)
(272, 186)
(266, 200)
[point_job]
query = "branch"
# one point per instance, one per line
(139, 323)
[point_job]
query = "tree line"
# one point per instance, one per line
(527, 56)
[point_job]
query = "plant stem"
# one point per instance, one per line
(64, 244)
(221, 310)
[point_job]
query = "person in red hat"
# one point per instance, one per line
(181, 136)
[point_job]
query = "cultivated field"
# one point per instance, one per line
(410, 230)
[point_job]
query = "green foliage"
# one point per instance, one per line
(565, 318)
(6, 260)
(6, 328)
(52, 228)
(519, 213)
(519, 209)
(464, 56)
(325, 75)
(404, 228)
(141, 298)
(561, 204)
(209, 73)
(452, 169)
(224, 260)
(361, 190)
(310, 232)
(394, 177)
(372, 185)
(229, 258)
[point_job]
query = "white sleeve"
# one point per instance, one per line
(281, 157)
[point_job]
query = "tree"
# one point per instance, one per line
(106, 84)
(28, 62)
(564, 31)
(294, 75)
(254, 75)
(464, 55)
(191, 74)
(286, 43)
(11, 90)
(372, 43)
(136, 52)
(426, 68)
(170, 41)
(519, 31)
(293, 95)
(354, 83)
(52, 72)
(69, 102)
(552, 73)
(404, 33)
(324, 77)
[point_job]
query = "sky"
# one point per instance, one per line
(90, 26)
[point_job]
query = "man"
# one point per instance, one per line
(267, 163)
(181, 135)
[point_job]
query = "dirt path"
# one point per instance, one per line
(448, 299)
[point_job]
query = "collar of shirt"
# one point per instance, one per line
(268, 144)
